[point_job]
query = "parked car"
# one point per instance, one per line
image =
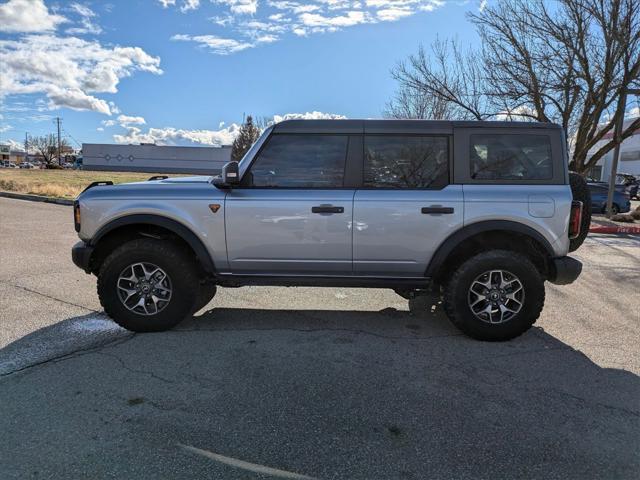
(27, 165)
(351, 203)
(599, 191)
(631, 184)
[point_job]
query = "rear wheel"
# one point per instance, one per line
(148, 285)
(495, 295)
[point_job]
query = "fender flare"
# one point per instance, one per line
(456, 238)
(182, 231)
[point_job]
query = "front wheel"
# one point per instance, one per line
(495, 295)
(148, 285)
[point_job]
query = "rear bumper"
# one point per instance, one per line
(81, 255)
(565, 270)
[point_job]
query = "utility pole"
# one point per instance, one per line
(59, 152)
(26, 146)
(616, 152)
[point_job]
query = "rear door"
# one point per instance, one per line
(292, 214)
(515, 174)
(406, 206)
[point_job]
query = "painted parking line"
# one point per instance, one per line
(251, 467)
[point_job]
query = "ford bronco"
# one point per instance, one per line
(481, 213)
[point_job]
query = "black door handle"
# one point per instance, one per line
(437, 210)
(327, 209)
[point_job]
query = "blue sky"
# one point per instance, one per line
(185, 71)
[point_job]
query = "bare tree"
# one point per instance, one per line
(447, 78)
(565, 62)
(47, 146)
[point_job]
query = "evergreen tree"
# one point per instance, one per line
(247, 136)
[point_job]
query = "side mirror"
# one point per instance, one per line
(230, 175)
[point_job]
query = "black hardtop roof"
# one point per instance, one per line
(397, 126)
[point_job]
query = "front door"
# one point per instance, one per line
(292, 215)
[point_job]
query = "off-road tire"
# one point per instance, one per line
(580, 192)
(174, 260)
(456, 290)
(207, 292)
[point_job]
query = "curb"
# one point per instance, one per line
(36, 198)
(634, 230)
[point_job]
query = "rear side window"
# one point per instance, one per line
(301, 161)
(510, 157)
(406, 161)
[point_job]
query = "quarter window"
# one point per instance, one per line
(406, 162)
(301, 161)
(510, 157)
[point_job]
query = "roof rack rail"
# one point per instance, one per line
(101, 183)
(158, 177)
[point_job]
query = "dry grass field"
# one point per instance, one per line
(60, 183)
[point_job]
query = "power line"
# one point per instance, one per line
(71, 137)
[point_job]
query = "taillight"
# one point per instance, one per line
(76, 215)
(575, 219)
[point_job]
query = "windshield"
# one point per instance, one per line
(244, 163)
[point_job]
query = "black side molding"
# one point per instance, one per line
(157, 177)
(172, 225)
(453, 240)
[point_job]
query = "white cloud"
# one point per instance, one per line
(185, 5)
(126, 120)
(69, 71)
(75, 99)
(221, 46)
(88, 26)
(100, 129)
(241, 7)
(222, 136)
(108, 123)
(5, 128)
(522, 113)
(392, 14)
(633, 112)
(483, 5)
(25, 16)
(171, 136)
(13, 145)
(315, 115)
(189, 5)
(300, 18)
(316, 20)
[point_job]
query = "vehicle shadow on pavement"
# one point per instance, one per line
(322, 393)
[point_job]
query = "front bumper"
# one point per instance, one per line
(565, 270)
(81, 256)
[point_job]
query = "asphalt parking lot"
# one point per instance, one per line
(310, 383)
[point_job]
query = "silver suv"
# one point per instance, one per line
(482, 213)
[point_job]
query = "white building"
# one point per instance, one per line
(629, 156)
(154, 158)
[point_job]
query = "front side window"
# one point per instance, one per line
(392, 161)
(301, 161)
(510, 157)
